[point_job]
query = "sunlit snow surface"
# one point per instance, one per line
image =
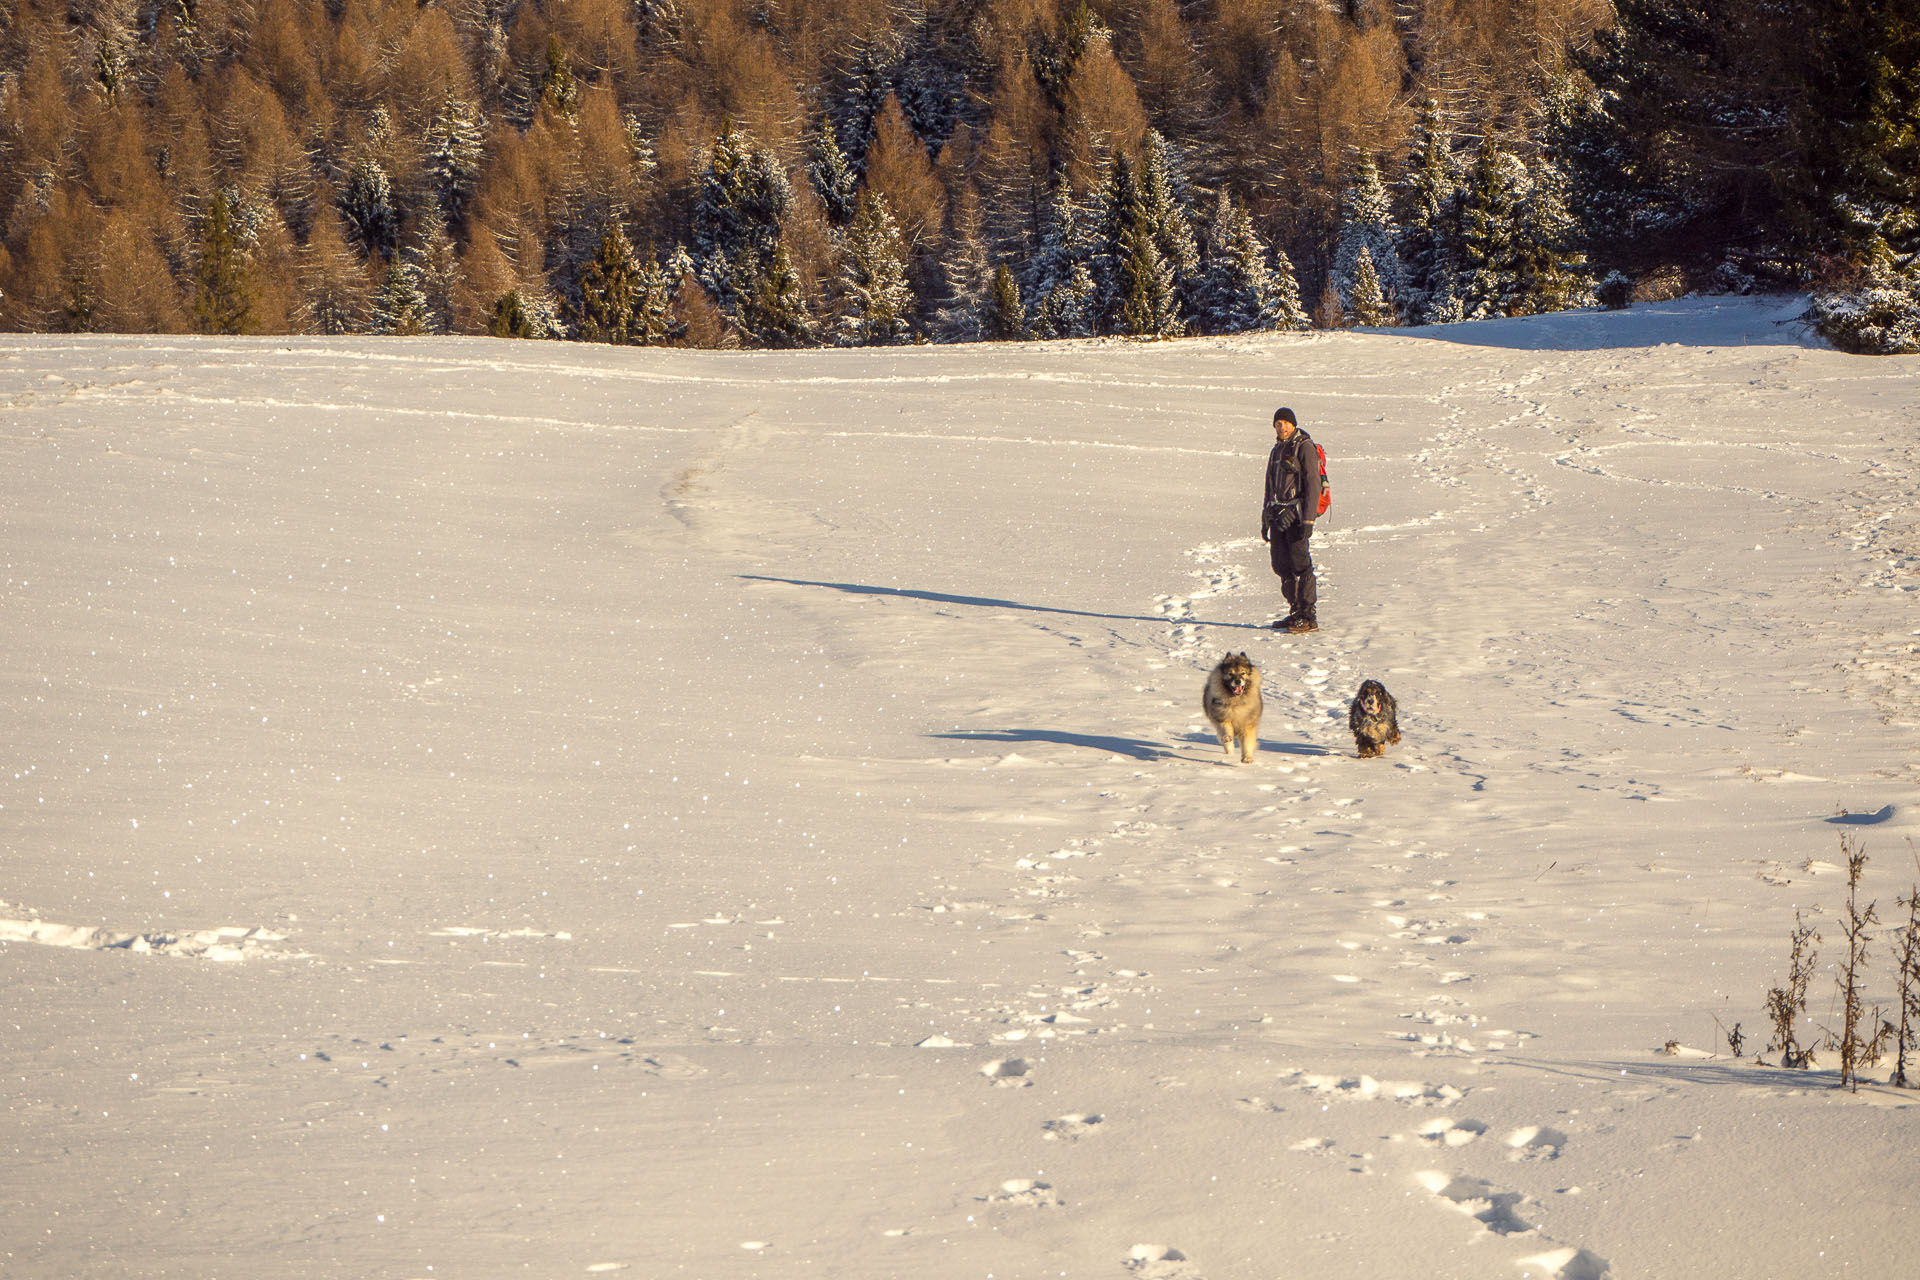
(480, 808)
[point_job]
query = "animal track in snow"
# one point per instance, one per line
(1366, 1088)
(228, 944)
(1007, 1073)
(1161, 1262)
(1475, 1197)
(1452, 1133)
(1072, 1127)
(1536, 1142)
(1023, 1193)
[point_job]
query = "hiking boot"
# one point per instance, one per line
(1303, 624)
(1283, 624)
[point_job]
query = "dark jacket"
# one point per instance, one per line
(1293, 478)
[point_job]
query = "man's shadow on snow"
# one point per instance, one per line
(1132, 748)
(989, 602)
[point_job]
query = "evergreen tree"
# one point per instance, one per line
(1878, 209)
(438, 267)
(1006, 319)
(453, 149)
(965, 270)
(1878, 316)
(610, 290)
(1164, 196)
(401, 306)
(1366, 229)
(1293, 312)
(509, 317)
(1548, 262)
(833, 179)
(654, 323)
(1147, 305)
(738, 217)
(1427, 243)
(366, 203)
(877, 301)
(1062, 247)
(1366, 304)
(1070, 309)
(223, 284)
(773, 304)
(1490, 275)
(1116, 214)
(1238, 291)
(1708, 127)
(559, 91)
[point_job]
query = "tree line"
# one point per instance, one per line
(778, 173)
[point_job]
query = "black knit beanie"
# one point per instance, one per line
(1285, 415)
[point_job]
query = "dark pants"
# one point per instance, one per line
(1294, 563)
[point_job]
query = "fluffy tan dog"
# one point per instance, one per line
(1232, 703)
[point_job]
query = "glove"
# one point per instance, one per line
(1285, 518)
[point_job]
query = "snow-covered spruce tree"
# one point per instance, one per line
(773, 305)
(1366, 226)
(453, 149)
(1164, 196)
(1880, 315)
(1428, 240)
(1057, 278)
(834, 180)
(367, 207)
(610, 290)
(400, 307)
(1238, 291)
(1548, 260)
(654, 324)
(1489, 282)
(437, 264)
(1366, 303)
(1879, 213)
(1069, 309)
(876, 301)
(965, 270)
(1292, 309)
(1006, 319)
(738, 217)
(1134, 285)
(1147, 303)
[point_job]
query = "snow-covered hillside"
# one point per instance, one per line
(475, 808)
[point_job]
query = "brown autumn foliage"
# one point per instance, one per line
(120, 120)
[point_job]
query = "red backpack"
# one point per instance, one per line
(1326, 489)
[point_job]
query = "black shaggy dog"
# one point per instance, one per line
(1374, 719)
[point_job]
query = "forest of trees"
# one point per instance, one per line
(779, 173)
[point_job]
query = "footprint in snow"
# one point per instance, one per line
(1536, 1142)
(1023, 1193)
(1452, 1133)
(1475, 1197)
(1161, 1262)
(1008, 1073)
(1071, 1128)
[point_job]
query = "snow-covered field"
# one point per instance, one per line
(477, 808)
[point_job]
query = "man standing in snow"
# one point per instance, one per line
(1287, 516)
